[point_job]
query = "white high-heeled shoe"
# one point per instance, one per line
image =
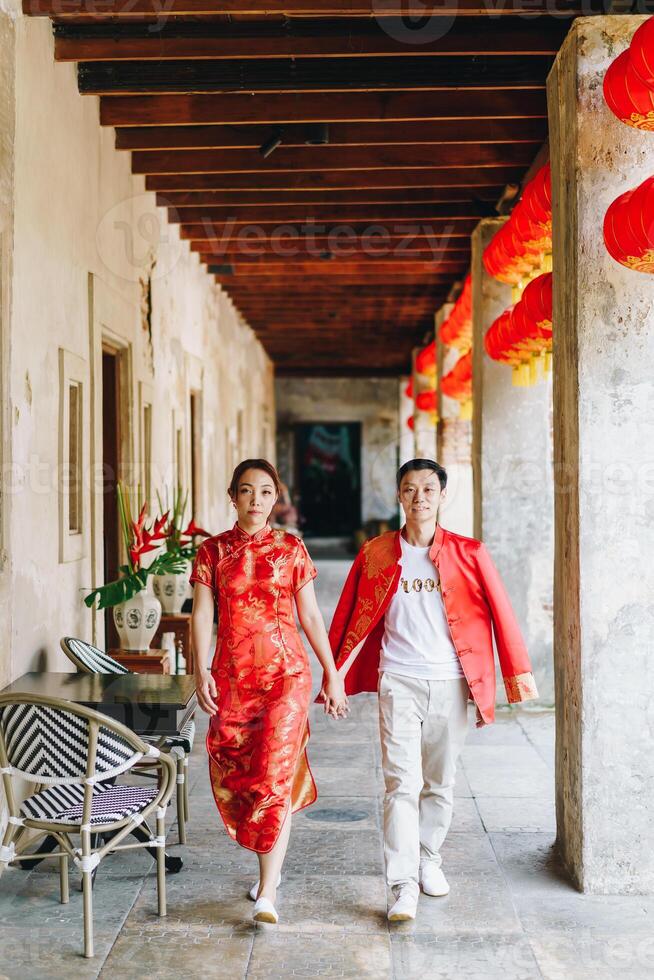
(264, 911)
(255, 888)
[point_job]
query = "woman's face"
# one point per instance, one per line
(255, 497)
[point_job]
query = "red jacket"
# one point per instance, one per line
(474, 598)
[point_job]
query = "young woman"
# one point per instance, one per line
(258, 688)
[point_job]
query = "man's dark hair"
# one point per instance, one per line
(422, 464)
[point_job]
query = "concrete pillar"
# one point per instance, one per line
(512, 473)
(454, 443)
(604, 465)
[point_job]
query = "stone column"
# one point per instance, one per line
(512, 473)
(604, 467)
(454, 442)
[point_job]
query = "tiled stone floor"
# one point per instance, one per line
(510, 914)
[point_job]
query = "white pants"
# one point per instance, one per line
(423, 726)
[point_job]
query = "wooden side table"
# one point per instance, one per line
(180, 625)
(152, 661)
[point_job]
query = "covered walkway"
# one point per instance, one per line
(511, 914)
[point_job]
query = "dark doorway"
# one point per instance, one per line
(328, 477)
(110, 475)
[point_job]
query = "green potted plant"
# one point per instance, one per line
(171, 585)
(136, 611)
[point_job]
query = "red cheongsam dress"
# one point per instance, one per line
(257, 740)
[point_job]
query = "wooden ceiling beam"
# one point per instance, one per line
(424, 254)
(309, 75)
(137, 9)
(466, 180)
(317, 248)
(275, 108)
(292, 279)
(264, 200)
(251, 136)
(223, 232)
(341, 268)
(299, 216)
(363, 264)
(334, 158)
(191, 40)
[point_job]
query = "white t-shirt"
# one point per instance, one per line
(417, 640)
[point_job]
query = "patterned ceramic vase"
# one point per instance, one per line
(137, 620)
(171, 590)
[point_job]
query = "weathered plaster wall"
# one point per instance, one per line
(604, 458)
(83, 227)
(7, 125)
(372, 401)
(513, 477)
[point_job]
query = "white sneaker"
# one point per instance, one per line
(433, 881)
(405, 905)
(264, 911)
(255, 888)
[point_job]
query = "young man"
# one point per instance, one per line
(414, 624)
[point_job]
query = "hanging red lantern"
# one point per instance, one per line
(410, 422)
(426, 359)
(456, 330)
(641, 51)
(519, 246)
(629, 228)
(537, 301)
(627, 95)
(457, 383)
(408, 391)
(524, 331)
(426, 400)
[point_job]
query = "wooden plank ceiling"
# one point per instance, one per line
(336, 253)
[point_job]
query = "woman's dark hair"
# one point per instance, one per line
(422, 464)
(254, 464)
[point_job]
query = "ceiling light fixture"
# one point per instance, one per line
(271, 143)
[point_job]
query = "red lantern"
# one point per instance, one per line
(426, 359)
(456, 331)
(457, 383)
(426, 400)
(537, 301)
(629, 228)
(408, 391)
(410, 422)
(524, 329)
(641, 51)
(518, 247)
(627, 96)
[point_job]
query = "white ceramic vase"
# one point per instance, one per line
(171, 590)
(137, 620)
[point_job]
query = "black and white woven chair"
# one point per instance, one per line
(91, 660)
(73, 754)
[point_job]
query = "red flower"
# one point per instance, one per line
(193, 529)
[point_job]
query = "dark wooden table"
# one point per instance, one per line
(149, 704)
(152, 661)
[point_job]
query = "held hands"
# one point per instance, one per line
(336, 703)
(205, 687)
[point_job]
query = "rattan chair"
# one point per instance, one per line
(91, 660)
(73, 754)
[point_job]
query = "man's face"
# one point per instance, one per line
(420, 495)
